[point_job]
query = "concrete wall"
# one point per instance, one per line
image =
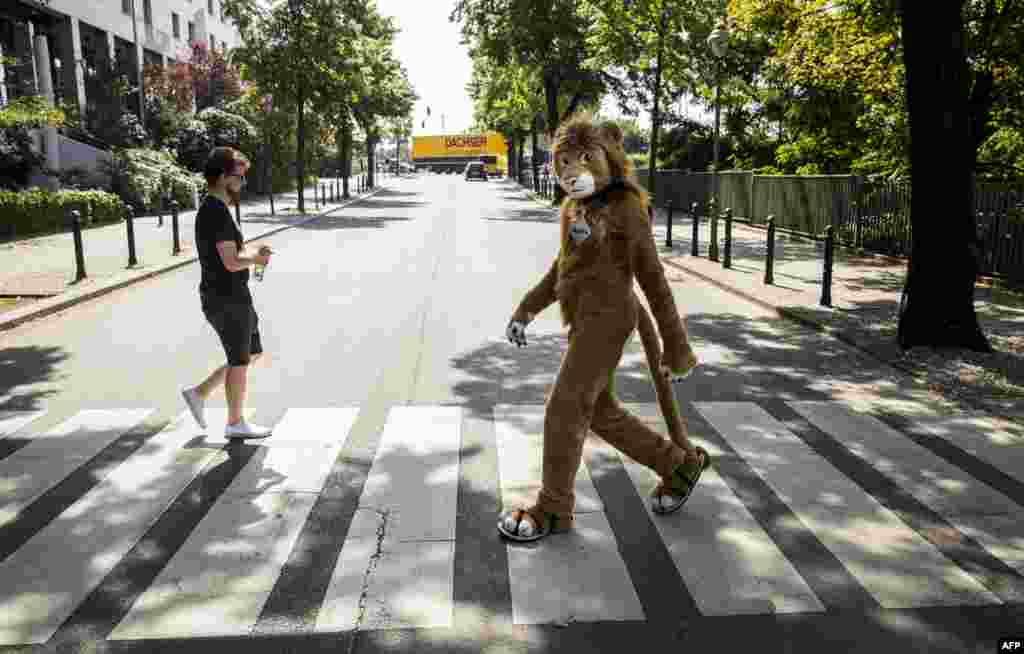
(107, 16)
(75, 154)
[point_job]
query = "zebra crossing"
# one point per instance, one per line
(146, 528)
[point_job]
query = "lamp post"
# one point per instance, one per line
(719, 43)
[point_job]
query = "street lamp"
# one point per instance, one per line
(719, 42)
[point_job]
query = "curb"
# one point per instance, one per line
(34, 312)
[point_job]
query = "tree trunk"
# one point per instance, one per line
(371, 159)
(937, 309)
(346, 157)
(300, 164)
(510, 151)
(652, 161)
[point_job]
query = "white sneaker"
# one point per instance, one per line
(245, 430)
(195, 405)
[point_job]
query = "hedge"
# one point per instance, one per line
(24, 213)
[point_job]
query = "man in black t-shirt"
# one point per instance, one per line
(224, 291)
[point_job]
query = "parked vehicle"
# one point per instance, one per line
(475, 170)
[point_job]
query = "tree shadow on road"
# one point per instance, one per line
(25, 366)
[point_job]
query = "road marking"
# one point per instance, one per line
(395, 569)
(728, 562)
(12, 421)
(218, 580)
(893, 562)
(977, 510)
(50, 457)
(573, 577)
(45, 579)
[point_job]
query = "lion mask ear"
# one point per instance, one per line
(612, 133)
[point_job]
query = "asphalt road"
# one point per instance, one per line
(402, 301)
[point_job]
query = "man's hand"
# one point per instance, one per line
(516, 333)
(265, 249)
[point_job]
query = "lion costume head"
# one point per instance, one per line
(589, 157)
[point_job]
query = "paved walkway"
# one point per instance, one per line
(37, 275)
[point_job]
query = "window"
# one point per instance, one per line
(176, 25)
(209, 6)
(147, 11)
(126, 7)
(191, 32)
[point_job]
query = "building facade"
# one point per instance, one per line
(82, 35)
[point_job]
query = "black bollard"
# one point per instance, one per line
(76, 231)
(727, 260)
(695, 242)
(238, 213)
(129, 221)
(176, 249)
(769, 266)
(272, 212)
(713, 217)
(668, 231)
(826, 277)
(160, 214)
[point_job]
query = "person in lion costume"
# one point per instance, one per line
(606, 241)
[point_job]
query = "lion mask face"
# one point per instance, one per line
(587, 157)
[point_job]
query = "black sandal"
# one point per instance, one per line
(682, 483)
(514, 517)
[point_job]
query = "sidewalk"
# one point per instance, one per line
(37, 275)
(866, 291)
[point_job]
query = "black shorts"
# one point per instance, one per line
(237, 327)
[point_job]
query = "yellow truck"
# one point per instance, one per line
(451, 152)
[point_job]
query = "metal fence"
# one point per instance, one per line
(873, 215)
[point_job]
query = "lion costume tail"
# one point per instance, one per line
(662, 386)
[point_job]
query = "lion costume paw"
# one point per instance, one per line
(525, 525)
(516, 333)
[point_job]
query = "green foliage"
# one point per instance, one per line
(142, 177)
(17, 158)
(36, 211)
(30, 112)
(225, 128)
(193, 144)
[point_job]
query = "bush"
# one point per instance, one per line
(228, 129)
(142, 176)
(23, 213)
(194, 144)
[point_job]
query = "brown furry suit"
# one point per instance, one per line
(592, 279)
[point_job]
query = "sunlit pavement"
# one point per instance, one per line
(843, 511)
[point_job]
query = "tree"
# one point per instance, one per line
(938, 301)
(548, 37)
(304, 31)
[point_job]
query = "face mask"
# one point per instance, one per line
(583, 187)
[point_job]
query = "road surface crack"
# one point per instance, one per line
(378, 552)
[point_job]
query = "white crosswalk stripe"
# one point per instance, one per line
(218, 580)
(404, 529)
(395, 567)
(895, 564)
(12, 421)
(579, 576)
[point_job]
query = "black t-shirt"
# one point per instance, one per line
(213, 224)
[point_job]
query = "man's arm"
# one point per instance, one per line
(234, 260)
